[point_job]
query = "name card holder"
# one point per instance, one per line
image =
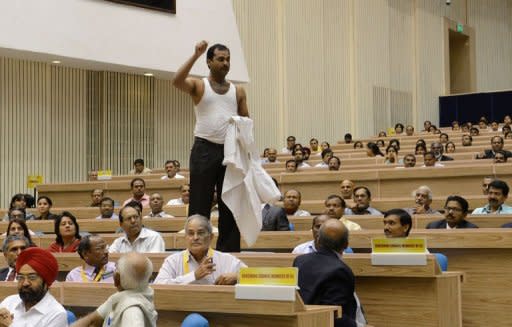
(399, 252)
(267, 283)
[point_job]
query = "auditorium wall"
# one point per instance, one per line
(316, 68)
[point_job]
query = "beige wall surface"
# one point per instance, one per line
(317, 68)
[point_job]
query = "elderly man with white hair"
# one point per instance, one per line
(199, 263)
(423, 199)
(133, 304)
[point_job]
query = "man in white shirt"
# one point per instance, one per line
(429, 160)
(36, 270)
(133, 304)
(156, 203)
(107, 209)
(136, 238)
(291, 204)
(199, 263)
(185, 196)
(311, 246)
(139, 169)
(171, 171)
(290, 144)
(271, 157)
(13, 245)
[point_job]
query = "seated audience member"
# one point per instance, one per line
(138, 168)
(482, 124)
(508, 135)
(438, 149)
(326, 155)
(392, 155)
(395, 143)
(183, 199)
(16, 213)
(506, 129)
(297, 146)
(380, 143)
(136, 238)
(423, 199)
(426, 125)
(291, 166)
(372, 150)
(422, 142)
(473, 131)
(291, 204)
(19, 201)
(420, 149)
(12, 247)
(358, 145)
(397, 223)
(325, 145)
(455, 212)
(362, 198)
(298, 155)
(467, 140)
(443, 138)
(495, 126)
(19, 227)
(507, 120)
(500, 157)
(96, 268)
(171, 171)
(334, 163)
(132, 304)
(107, 209)
(382, 134)
(496, 145)
(290, 145)
(465, 127)
(67, 233)
(307, 153)
(313, 145)
(399, 128)
(409, 160)
(496, 196)
(455, 126)
(434, 130)
(311, 246)
(429, 160)
(335, 207)
(156, 204)
(138, 188)
(92, 176)
(96, 196)
(348, 138)
(271, 157)
(346, 189)
(324, 279)
(449, 147)
(409, 130)
(36, 270)
(273, 217)
(44, 204)
(199, 263)
(485, 184)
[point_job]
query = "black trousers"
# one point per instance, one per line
(206, 175)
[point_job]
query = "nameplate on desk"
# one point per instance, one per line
(267, 283)
(104, 175)
(399, 251)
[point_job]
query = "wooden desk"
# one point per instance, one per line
(216, 303)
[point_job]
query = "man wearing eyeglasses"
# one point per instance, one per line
(455, 212)
(96, 268)
(36, 270)
(199, 263)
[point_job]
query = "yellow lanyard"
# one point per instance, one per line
(186, 258)
(97, 278)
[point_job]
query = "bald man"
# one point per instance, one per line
(324, 279)
(133, 302)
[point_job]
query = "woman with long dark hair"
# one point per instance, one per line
(67, 232)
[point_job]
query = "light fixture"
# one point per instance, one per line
(148, 74)
(56, 62)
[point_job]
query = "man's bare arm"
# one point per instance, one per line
(92, 319)
(181, 79)
(242, 102)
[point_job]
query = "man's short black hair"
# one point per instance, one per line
(291, 138)
(460, 200)
(138, 161)
(137, 179)
(326, 152)
(85, 245)
(500, 185)
(217, 46)
(132, 204)
(107, 199)
(367, 190)
(335, 196)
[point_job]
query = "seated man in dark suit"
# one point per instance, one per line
(323, 276)
(496, 145)
(455, 212)
(438, 150)
(274, 218)
(13, 245)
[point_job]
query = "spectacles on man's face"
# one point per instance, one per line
(30, 277)
(454, 209)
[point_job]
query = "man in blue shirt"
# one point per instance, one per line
(496, 197)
